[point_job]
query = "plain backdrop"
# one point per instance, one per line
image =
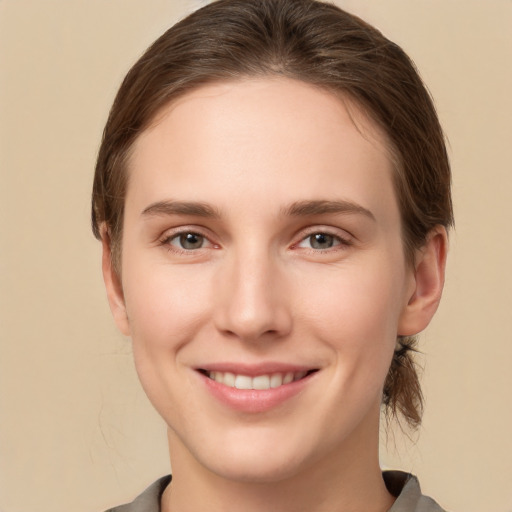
(76, 431)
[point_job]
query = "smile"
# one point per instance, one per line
(254, 389)
(259, 382)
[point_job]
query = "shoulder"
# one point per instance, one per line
(148, 501)
(406, 488)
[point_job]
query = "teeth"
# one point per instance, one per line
(229, 379)
(299, 375)
(276, 380)
(259, 382)
(242, 382)
(288, 378)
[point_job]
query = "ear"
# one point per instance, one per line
(113, 284)
(427, 283)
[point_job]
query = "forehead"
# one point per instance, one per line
(274, 98)
(250, 137)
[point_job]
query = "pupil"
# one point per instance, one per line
(321, 241)
(191, 241)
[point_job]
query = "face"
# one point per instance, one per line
(263, 276)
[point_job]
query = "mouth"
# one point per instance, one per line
(256, 382)
(258, 388)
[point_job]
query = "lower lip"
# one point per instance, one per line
(255, 400)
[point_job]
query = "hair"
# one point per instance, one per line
(319, 44)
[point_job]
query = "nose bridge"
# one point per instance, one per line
(253, 300)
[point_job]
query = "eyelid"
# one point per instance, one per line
(173, 233)
(344, 238)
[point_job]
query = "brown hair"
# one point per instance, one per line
(317, 43)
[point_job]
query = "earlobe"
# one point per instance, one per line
(429, 270)
(113, 284)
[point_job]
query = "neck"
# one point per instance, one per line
(348, 480)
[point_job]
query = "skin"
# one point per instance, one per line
(256, 288)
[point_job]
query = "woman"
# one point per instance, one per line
(272, 194)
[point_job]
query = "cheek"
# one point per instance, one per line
(165, 305)
(167, 308)
(356, 312)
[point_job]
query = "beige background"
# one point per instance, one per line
(76, 432)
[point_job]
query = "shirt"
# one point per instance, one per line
(403, 486)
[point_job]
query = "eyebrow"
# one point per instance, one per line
(296, 209)
(322, 207)
(195, 209)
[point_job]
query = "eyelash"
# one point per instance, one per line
(168, 239)
(340, 242)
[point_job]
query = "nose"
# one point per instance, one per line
(252, 301)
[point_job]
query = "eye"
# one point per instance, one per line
(187, 241)
(321, 241)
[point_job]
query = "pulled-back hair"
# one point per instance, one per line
(306, 40)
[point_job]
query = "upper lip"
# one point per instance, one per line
(253, 370)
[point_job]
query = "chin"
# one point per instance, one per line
(258, 470)
(259, 456)
(263, 458)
